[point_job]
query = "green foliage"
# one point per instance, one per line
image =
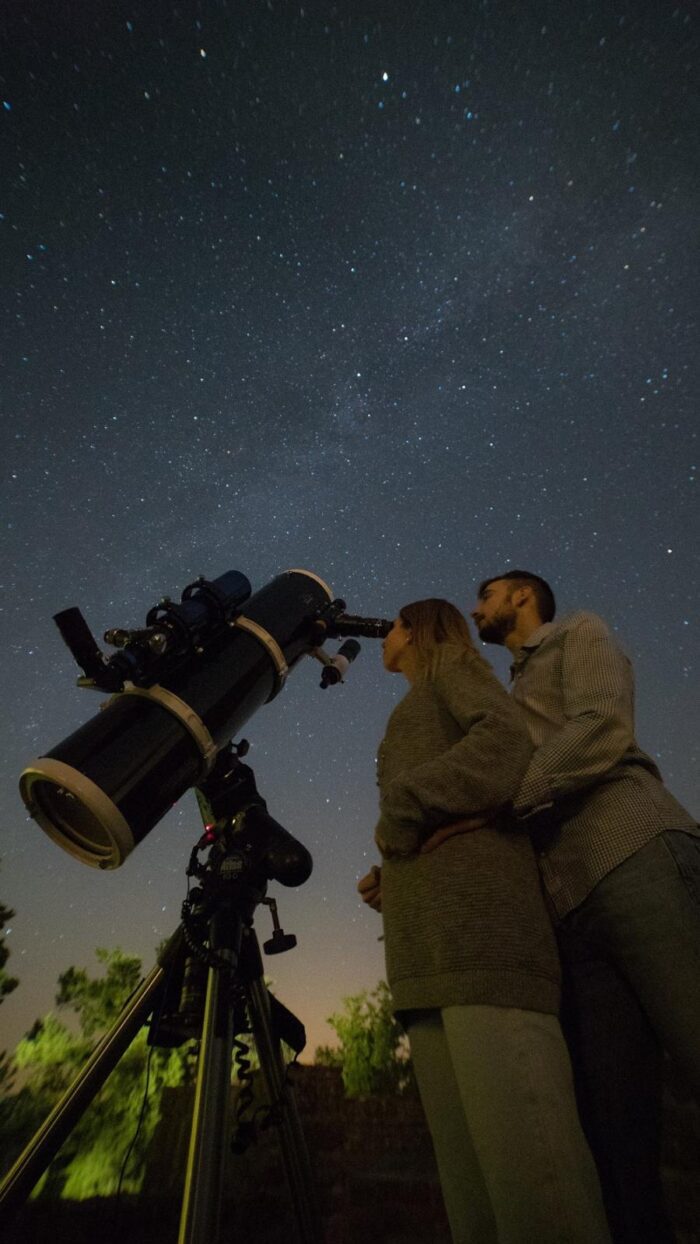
(51, 1055)
(7, 984)
(99, 1001)
(328, 1056)
(90, 1161)
(373, 1052)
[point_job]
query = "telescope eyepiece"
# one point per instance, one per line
(352, 625)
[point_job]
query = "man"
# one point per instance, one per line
(620, 864)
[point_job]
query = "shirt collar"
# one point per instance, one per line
(537, 637)
(521, 654)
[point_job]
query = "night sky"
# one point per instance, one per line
(401, 293)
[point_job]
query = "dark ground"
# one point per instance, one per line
(373, 1167)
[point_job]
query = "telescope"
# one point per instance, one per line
(182, 686)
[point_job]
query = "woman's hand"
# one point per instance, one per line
(465, 826)
(370, 888)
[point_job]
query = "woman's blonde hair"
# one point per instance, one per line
(438, 629)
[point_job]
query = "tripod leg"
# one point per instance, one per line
(294, 1152)
(44, 1145)
(208, 1149)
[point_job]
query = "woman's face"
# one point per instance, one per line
(394, 647)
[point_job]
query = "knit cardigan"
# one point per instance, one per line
(466, 923)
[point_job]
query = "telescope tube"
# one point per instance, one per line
(101, 791)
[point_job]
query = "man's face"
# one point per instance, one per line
(494, 615)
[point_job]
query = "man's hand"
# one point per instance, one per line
(370, 888)
(465, 826)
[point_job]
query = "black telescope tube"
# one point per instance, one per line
(101, 791)
(351, 624)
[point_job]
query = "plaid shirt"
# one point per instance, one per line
(591, 796)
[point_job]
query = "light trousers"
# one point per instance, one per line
(497, 1090)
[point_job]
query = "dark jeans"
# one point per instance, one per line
(631, 957)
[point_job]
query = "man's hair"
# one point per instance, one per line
(544, 596)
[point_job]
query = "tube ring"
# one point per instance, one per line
(273, 650)
(185, 715)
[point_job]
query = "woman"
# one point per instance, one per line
(471, 958)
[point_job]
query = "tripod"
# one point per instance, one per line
(246, 849)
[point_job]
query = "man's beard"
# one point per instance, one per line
(499, 628)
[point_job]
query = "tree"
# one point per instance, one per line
(90, 1162)
(7, 983)
(373, 1053)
